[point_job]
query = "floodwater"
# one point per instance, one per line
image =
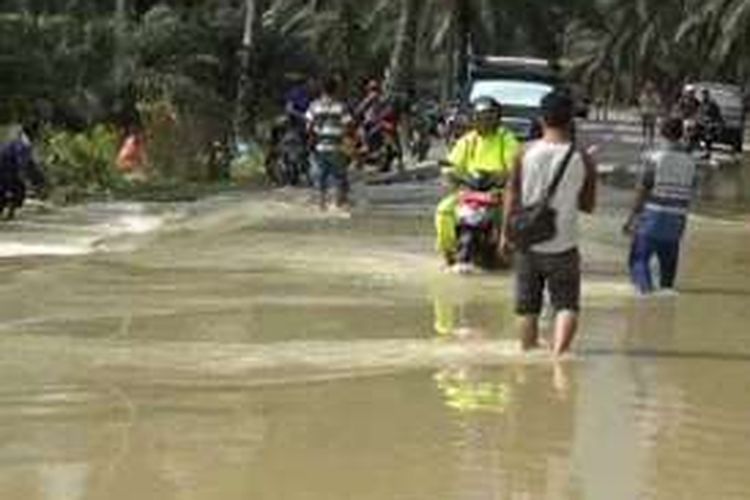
(251, 348)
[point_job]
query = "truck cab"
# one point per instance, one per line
(519, 84)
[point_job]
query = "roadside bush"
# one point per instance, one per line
(81, 163)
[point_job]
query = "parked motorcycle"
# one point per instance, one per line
(424, 125)
(382, 145)
(692, 134)
(700, 135)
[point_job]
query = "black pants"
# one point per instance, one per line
(12, 191)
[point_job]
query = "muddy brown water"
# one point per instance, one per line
(258, 350)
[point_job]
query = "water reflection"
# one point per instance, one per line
(513, 424)
(514, 432)
(477, 308)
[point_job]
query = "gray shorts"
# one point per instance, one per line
(560, 273)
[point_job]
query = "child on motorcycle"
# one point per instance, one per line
(488, 148)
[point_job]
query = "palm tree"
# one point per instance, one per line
(721, 28)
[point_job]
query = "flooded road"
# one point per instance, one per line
(251, 348)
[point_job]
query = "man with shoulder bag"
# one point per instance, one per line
(550, 183)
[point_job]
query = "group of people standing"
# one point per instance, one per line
(334, 132)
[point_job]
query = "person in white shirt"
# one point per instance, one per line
(553, 264)
(329, 124)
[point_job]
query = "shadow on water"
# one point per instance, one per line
(733, 292)
(667, 354)
(725, 191)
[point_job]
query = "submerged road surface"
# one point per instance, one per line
(249, 347)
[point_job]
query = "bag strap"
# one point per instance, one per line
(559, 174)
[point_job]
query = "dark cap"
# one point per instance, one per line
(557, 109)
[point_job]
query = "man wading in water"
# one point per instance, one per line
(657, 221)
(555, 263)
(329, 124)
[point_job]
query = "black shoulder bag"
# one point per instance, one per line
(536, 223)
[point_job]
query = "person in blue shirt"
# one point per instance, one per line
(297, 101)
(657, 221)
(17, 165)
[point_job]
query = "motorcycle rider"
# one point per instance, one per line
(379, 118)
(372, 105)
(297, 101)
(687, 104)
(291, 130)
(710, 120)
(686, 109)
(488, 148)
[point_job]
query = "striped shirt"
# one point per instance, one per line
(670, 173)
(328, 120)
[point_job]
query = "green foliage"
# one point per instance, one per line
(178, 138)
(81, 163)
(79, 63)
(248, 164)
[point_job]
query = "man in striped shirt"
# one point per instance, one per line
(659, 215)
(329, 123)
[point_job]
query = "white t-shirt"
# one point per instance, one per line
(540, 163)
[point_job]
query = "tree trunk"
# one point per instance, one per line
(246, 101)
(404, 51)
(347, 19)
(449, 78)
(462, 13)
(121, 26)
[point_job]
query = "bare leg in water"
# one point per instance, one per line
(566, 324)
(529, 327)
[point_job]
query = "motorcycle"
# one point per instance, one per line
(419, 143)
(479, 210)
(700, 135)
(293, 165)
(425, 124)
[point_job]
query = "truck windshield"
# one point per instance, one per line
(511, 92)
